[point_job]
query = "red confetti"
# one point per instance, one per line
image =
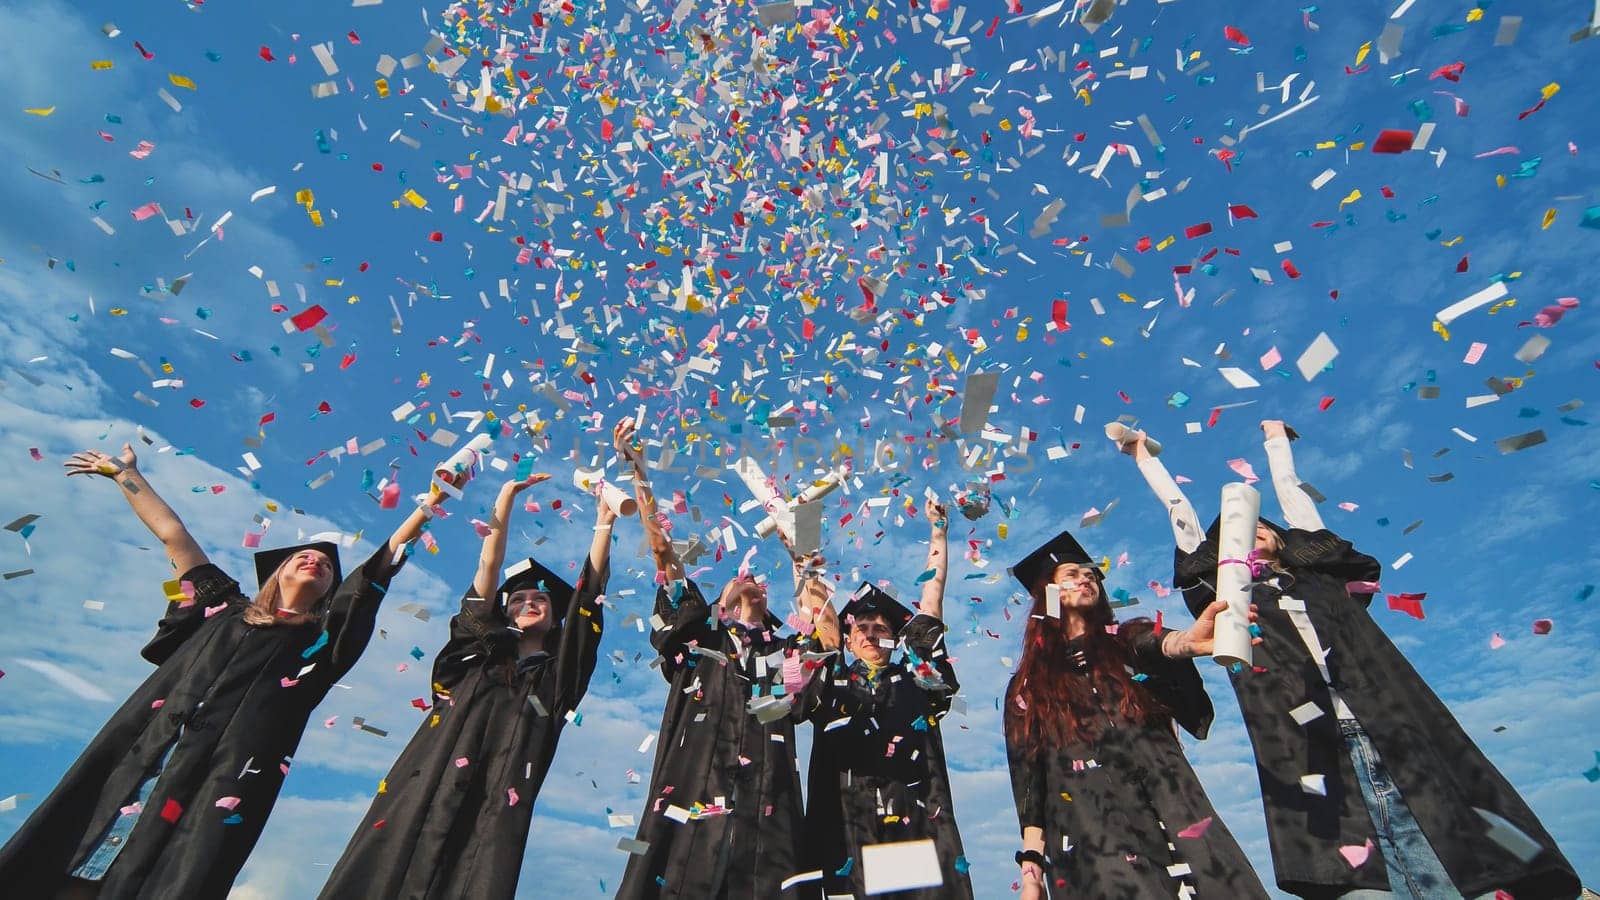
(1451, 72)
(1542, 626)
(1323, 405)
(606, 129)
(1393, 140)
(1410, 604)
(1240, 211)
(808, 329)
(1058, 314)
(266, 54)
(1462, 265)
(1194, 231)
(324, 408)
(197, 403)
(437, 237)
(142, 51)
(308, 318)
(1235, 35)
(171, 811)
(1289, 269)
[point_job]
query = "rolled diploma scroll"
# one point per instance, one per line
(1241, 509)
(620, 501)
(817, 491)
(465, 460)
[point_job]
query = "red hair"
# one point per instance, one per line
(1050, 705)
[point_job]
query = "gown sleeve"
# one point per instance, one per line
(929, 662)
(1174, 682)
(1028, 788)
(684, 617)
(184, 617)
(479, 636)
(353, 611)
(580, 636)
(1325, 552)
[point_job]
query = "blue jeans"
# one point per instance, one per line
(116, 835)
(1415, 872)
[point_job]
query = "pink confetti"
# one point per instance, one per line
(328, 722)
(461, 762)
(146, 211)
(227, 803)
(1271, 358)
(1243, 467)
(1197, 829)
(1355, 856)
(1496, 641)
(511, 796)
(1475, 353)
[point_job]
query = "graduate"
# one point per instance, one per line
(877, 773)
(171, 795)
(451, 819)
(1108, 805)
(1371, 788)
(723, 817)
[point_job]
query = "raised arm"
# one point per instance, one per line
(1186, 531)
(492, 558)
(584, 622)
(812, 595)
(1299, 510)
(938, 559)
(153, 511)
(632, 451)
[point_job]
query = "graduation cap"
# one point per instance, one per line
(531, 574)
(268, 561)
(1037, 567)
(869, 600)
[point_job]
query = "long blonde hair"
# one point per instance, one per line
(263, 610)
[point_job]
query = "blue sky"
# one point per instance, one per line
(1506, 540)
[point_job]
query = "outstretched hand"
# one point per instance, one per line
(97, 462)
(517, 485)
(1201, 639)
(938, 516)
(625, 438)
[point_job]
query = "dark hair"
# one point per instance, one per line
(1050, 705)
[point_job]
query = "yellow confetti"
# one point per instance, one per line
(1440, 330)
(415, 198)
(1499, 181)
(316, 217)
(1549, 90)
(1002, 531)
(1361, 53)
(1107, 341)
(1549, 218)
(304, 197)
(382, 84)
(1165, 243)
(40, 110)
(180, 81)
(1475, 14)
(1354, 196)
(100, 65)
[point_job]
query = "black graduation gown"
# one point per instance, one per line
(439, 828)
(877, 771)
(711, 749)
(1439, 771)
(1119, 800)
(242, 695)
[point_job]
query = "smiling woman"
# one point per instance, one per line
(170, 797)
